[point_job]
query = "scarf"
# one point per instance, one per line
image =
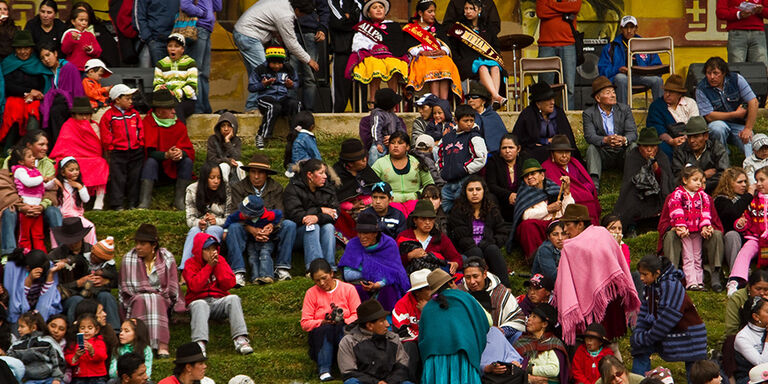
(165, 123)
(527, 197)
(134, 280)
(381, 263)
(592, 273)
(529, 346)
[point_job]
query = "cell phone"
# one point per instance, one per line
(310, 228)
(80, 341)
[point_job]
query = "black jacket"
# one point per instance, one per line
(340, 26)
(372, 359)
(299, 201)
(630, 207)
(68, 279)
(17, 83)
(316, 21)
(714, 156)
(490, 14)
(34, 26)
(496, 176)
(527, 130)
(460, 218)
(351, 186)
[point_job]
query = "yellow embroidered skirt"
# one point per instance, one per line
(428, 68)
(383, 68)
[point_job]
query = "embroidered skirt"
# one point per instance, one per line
(430, 68)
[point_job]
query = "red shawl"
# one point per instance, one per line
(162, 139)
(582, 188)
(78, 139)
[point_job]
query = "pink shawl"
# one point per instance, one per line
(592, 273)
(582, 188)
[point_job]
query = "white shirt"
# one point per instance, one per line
(686, 109)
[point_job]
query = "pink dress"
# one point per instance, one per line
(69, 208)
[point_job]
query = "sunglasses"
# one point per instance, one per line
(617, 375)
(473, 97)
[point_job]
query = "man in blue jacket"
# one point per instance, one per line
(613, 62)
(154, 21)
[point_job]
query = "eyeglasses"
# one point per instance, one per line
(618, 375)
(473, 97)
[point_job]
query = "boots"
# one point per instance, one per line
(180, 193)
(145, 193)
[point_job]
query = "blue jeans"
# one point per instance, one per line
(154, 51)
(374, 154)
(41, 381)
(151, 169)
(253, 55)
(727, 132)
(107, 301)
(213, 230)
(325, 357)
(320, 242)
(306, 74)
(568, 56)
(260, 258)
(449, 194)
(655, 83)
(51, 216)
(200, 50)
(236, 240)
(745, 45)
(287, 237)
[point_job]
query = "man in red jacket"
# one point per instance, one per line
(746, 37)
(209, 279)
(556, 37)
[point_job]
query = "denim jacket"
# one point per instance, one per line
(727, 100)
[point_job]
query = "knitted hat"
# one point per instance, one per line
(104, 249)
(275, 52)
(759, 140)
(252, 206)
(178, 37)
(241, 379)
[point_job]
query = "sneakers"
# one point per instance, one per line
(202, 346)
(239, 280)
(260, 142)
(732, 287)
(325, 376)
(283, 274)
(242, 345)
(263, 280)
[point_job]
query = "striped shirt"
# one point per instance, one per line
(180, 77)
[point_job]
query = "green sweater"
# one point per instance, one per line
(732, 309)
(406, 186)
(127, 348)
(180, 76)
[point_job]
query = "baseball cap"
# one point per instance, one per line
(119, 90)
(539, 281)
(628, 19)
(424, 141)
(96, 63)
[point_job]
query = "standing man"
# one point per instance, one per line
(613, 63)
(345, 14)
(200, 49)
(556, 38)
(264, 21)
(727, 102)
(744, 23)
(312, 32)
(154, 21)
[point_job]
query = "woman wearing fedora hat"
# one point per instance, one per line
(669, 110)
(79, 139)
(540, 121)
(149, 286)
(561, 164)
(544, 354)
(439, 251)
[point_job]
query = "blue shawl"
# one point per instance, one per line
(383, 262)
(660, 118)
(32, 66)
(48, 304)
(527, 197)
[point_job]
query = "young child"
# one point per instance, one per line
(73, 195)
(57, 329)
(95, 70)
(587, 358)
(301, 142)
(759, 157)
(177, 72)
(424, 107)
(754, 227)
(691, 217)
(88, 360)
(272, 80)
(424, 150)
(122, 135)
(384, 122)
(441, 121)
(107, 333)
(680, 337)
(251, 212)
(613, 224)
(392, 220)
(224, 148)
(462, 153)
(706, 372)
(31, 186)
(134, 337)
(77, 43)
(41, 354)
(432, 193)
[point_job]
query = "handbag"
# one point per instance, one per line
(645, 181)
(185, 25)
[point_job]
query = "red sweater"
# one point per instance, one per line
(443, 249)
(584, 368)
(121, 131)
(553, 30)
(728, 10)
(89, 365)
(75, 49)
(407, 312)
(202, 279)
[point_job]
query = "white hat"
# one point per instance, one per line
(418, 279)
(121, 89)
(96, 63)
(207, 380)
(628, 19)
(178, 37)
(758, 141)
(424, 141)
(758, 374)
(241, 379)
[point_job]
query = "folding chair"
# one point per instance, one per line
(649, 45)
(530, 66)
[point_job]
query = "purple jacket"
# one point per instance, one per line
(203, 10)
(67, 83)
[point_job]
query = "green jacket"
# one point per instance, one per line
(732, 309)
(406, 186)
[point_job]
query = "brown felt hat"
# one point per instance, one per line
(560, 143)
(146, 232)
(600, 83)
(576, 212)
(259, 161)
(675, 84)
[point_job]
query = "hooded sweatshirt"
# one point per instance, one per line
(204, 280)
(220, 151)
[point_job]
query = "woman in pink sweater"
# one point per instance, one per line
(79, 44)
(328, 306)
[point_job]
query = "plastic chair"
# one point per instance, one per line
(530, 66)
(649, 45)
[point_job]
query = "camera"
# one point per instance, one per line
(336, 314)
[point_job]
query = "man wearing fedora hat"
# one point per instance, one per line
(260, 183)
(702, 151)
(609, 129)
(170, 152)
(613, 62)
(721, 97)
(492, 128)
(369, 352)
(189, 366)
(671, 109)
